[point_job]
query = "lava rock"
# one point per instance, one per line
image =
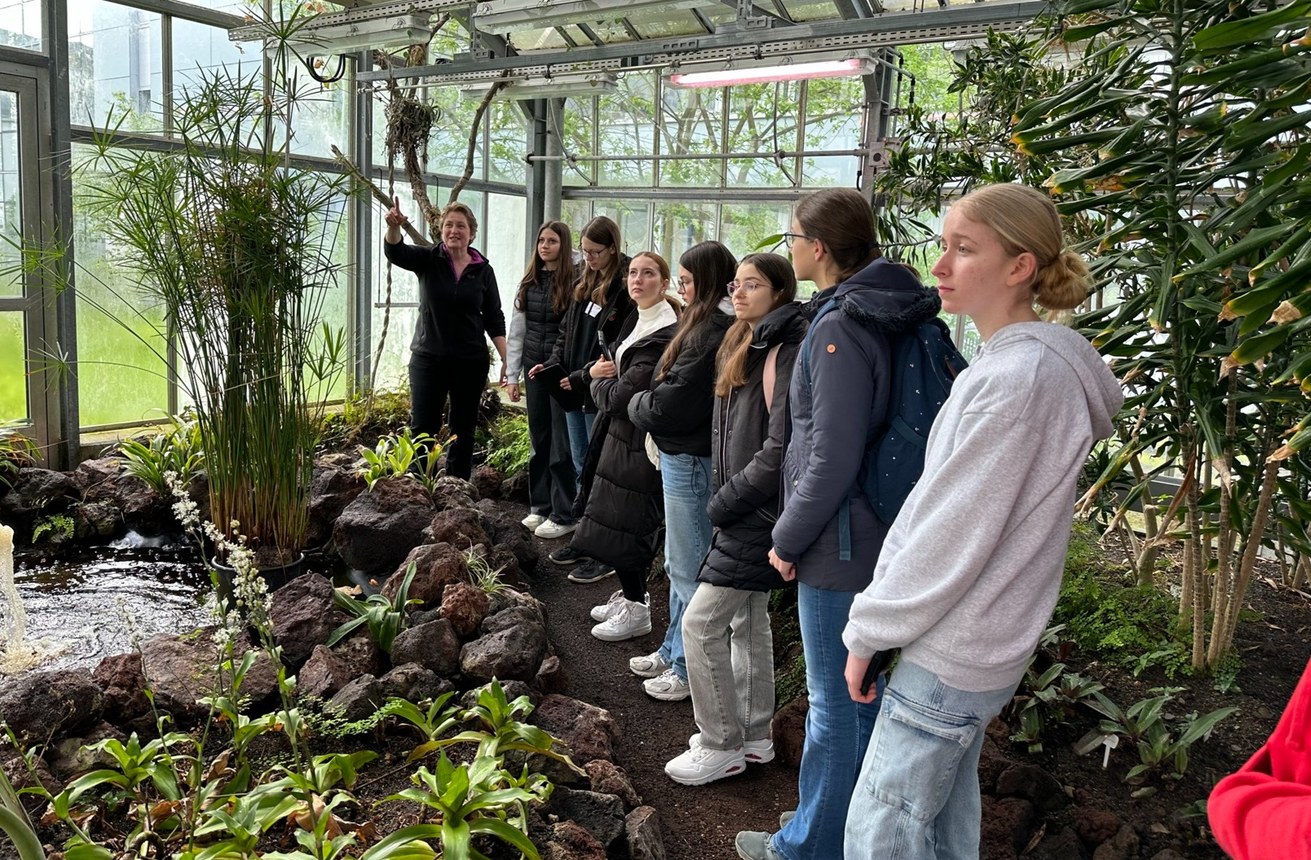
(123, 682)
(992, 761)
(358, 699)
(331, 489)
(51, 704)
(586, 731)
(509, 533)
(515, 652)
(414, 683)
(302, 615)
(96, 478)
(38, 491)
(601, 815)
(449, 493)
(1094, 826)
(551, 677)
(642, 827)
(436, 565)
(789, 730)
(487, 481)
(182, 672)
(465, 606)
(459, 527)
(377, 528)
(570, 841)
(1034, 785)
(607, 777)
(96, 520)
(433, 646)
(1062, 845)
(323, 674)
(1008, 824)
(359, 653)
(1121, 846)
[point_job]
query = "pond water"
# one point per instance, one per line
(107, 601)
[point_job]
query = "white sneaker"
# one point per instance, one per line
(532, 521)
(631, 619)
(648, 665)
(603, 611)
(550, 529)
(755, 752)
(700, 765)
(667, 687)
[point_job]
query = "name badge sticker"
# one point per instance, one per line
(593, 309)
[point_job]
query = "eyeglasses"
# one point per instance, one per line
(590, 253)
(684, 283)
(749, 286)
(789, 238)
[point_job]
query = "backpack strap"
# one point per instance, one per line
(770, 376)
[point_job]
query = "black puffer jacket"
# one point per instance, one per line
(577, 345)
(676, 411)
(534, 328)
(746, 460)
(622, 499)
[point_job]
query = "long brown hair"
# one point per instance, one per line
(736, 347)
(712, 267)
(843, 220)
(594, 283)
(563, 277)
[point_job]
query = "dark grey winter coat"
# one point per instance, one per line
(835, 416)
(746, 459)
(577, 346)
(622, 499)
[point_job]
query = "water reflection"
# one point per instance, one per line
(108, 603)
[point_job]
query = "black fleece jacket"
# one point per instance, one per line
(453, 314)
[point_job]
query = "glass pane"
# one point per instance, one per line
(320, 117)
(579, 123)
(504, 243)
(628, 130)
(115, 64)
(11, 198)
(508, 143)
(745, 226)
(199, 49)
(634, 220)
(679, 226)
(763, 118)
(13, 378)
(575, 213)
(831, 124)
(22, 24)
(691, 121)
(333, 300)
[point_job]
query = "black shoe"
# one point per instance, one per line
(593, 571)
(567, 555)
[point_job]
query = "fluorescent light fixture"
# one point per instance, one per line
(758, 71)
(556, 86)
(398, 31)
(500, 16)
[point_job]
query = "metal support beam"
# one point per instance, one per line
(893, 28)
(535, 212)
(61, 228)
(363, 242)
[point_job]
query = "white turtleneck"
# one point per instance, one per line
(649, 320)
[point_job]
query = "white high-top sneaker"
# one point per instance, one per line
(629, 620)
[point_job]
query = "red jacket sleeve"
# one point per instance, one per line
(1263, 812)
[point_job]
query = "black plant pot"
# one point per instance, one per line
(276, 577)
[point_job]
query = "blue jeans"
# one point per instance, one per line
(580, 431)
(837, 731)
(686, 480)
(918, 795)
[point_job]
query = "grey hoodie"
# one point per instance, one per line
(970, 571)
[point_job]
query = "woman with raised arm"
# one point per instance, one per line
(971, 568)
(458, 307)
(540, 304)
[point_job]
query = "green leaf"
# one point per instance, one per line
(1259, 347)
(1233, 34)
(506, 833)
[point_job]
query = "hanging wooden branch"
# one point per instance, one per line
(378, 194)
(473, 140)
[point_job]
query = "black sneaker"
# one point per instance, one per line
(567, 555)
(593, 571)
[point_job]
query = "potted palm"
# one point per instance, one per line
(235, 243)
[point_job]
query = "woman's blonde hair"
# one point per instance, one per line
(463, 210)
(1024, 219)
(735, 349)
(593, 285)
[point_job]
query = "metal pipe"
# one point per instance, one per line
(700, 156)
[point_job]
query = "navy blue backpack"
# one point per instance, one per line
(925, 363)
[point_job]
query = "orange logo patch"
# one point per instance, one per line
(832, 347)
